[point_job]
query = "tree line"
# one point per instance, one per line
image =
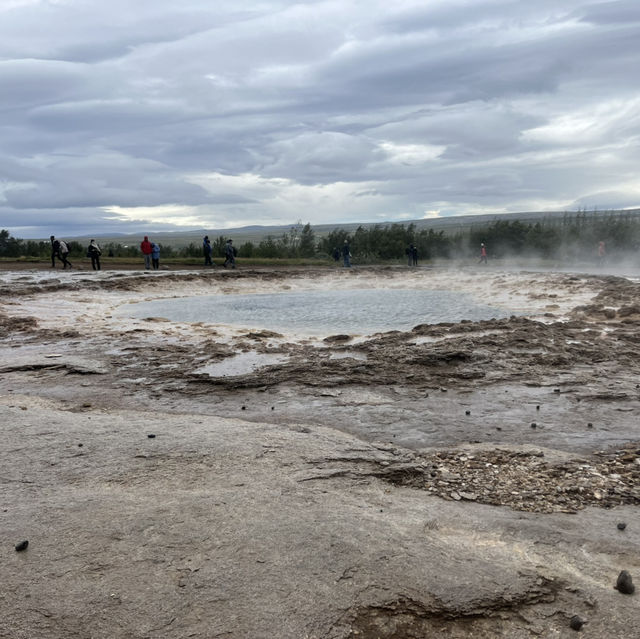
(569, 237)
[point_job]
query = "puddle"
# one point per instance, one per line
(241, 364)
(350, 355)
(359, 311)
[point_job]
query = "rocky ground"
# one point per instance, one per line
(463, 479)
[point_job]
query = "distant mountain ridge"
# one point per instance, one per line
(256, 233)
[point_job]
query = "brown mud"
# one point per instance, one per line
(459, 479)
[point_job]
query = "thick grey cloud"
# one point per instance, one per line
(154, 115)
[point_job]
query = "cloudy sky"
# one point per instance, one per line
(149, 115)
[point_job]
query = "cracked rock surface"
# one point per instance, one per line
(376, 486)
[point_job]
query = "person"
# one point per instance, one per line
(230, 254)
(483, 254)
(346, 254)
(414, 255)
(94, 252)
(206, 247)
(63, 253)
(145, 247)
(601, 253)
(55, 251)
(155, 255)
(336, 254)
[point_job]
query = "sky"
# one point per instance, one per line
(157, 115)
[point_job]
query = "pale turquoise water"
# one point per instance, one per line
(361, 311)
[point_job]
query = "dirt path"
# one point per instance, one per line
(458, 479)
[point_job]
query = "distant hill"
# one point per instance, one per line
(257, 233)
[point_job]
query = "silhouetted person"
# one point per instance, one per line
(230, 254)
(155, 256)
(336, 254)
(483, 254)
(94, 252)
(206, 248)
(55, 251)
(346, 254)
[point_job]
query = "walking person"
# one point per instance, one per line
(94, 252)
(230, 254)
(145, 247)
(483, 254)
(206, 248)
(155, 256)
(55, 251)
(63, 253)
(346, 254)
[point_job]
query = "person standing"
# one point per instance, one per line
(155, 256)
(55, 251)
(346, 254)
(483, 254)
(230, 254)
(206, 248)
(63, 253)
(601, 253)
(94, 252)
(414, 255)
(145, 247)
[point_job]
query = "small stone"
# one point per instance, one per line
(443, 390)
(534, 425)
(244, 408)
(589, 425)
(23, 545)
(467, 412)
(80, 445)
(621, 526)
(273, 408)
(151, 436)
(576, 623)
(538, 407)
(624, 584)
(556, 390)
(498, 428)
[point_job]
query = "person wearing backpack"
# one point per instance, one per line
(63, 252)
(94, 252)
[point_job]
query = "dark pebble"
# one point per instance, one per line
(538, 407)
(244, 408)
(556, 390)
(534, 425)
(467, 412)
(22, 546)
(80, 445)
(624, 584)
(273, 408)
(589, 425)
(151, 436)
(498, 428)
(576, 623)
(621, 525)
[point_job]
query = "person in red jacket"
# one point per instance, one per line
(146, 248)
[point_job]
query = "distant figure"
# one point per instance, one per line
(63, 253)
(336, 254)
(601, 253)
(483, 254)
(230, 254)
(55, 251)
(145, 247)
(206, 248)
(155, 256)
(94, 252)
(414, 255)
(346, 254)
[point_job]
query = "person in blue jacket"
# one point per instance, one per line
(155, 256)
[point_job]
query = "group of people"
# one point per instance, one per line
(151, 252)
(230, 253)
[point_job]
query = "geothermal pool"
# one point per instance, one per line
(360, 311)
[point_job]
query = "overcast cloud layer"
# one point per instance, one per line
(126, 116)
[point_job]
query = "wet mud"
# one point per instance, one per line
(463, 478)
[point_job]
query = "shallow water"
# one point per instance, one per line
(360, 311)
